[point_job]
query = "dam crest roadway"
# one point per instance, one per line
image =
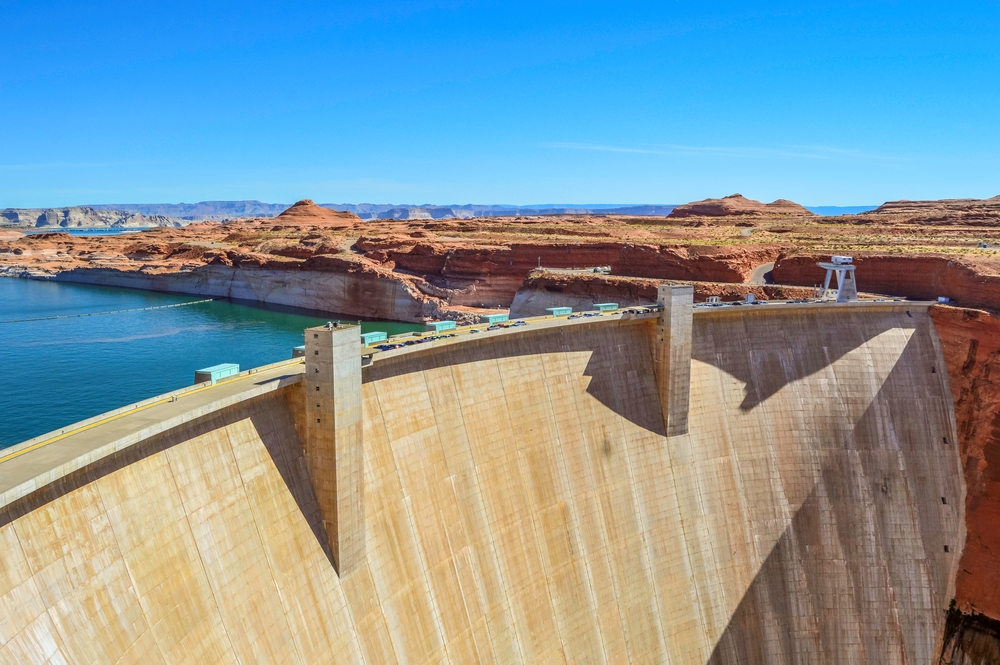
(670, 484)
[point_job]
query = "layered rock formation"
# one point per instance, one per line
(81, 217)
(288, 260)
(971, 281)
(548, 288)
(971, 343)
(225, 210)
(202, 211)
(737, 204)
(307, 214)
(953, 208)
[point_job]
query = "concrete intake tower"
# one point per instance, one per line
(773, 483)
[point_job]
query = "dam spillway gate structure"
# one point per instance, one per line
(524, 501)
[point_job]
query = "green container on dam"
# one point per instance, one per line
(495, 318)
(440, 326)
(216, 372)
(370, 338)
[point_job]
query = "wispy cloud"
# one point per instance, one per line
(57, 165)
(785, 152)
(603, 148)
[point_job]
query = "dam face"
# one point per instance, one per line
(523, 504)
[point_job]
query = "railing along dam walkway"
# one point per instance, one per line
(512, 497)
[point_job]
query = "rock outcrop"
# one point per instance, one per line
(81, 217)
(545, 288)
(307, 213)
(981, 214)
(971, 281)
(737, 204)
(440, 276)
(950, 206)
(970, 340)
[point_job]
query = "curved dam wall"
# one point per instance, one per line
(522, 504)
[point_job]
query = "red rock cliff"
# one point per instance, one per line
(970, 282)
(971, 343)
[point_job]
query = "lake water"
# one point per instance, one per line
(77, 231)
(59, 371)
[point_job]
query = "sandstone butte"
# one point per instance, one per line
(737, 204)
(420, 269)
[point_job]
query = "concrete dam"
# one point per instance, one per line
(759, 484)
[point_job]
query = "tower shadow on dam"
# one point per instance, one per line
(765, 365)
(617, 380)
(839, 583)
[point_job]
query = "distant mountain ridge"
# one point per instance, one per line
(202, 211)
(220, 210)
(136, 215)
(83, 217)
(468, 211)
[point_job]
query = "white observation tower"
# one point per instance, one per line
(847, 288)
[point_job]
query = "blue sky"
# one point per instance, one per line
(825, 103)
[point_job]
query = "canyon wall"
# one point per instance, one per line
(362, 294)
(509, 263)
(82, 217)
(972, 281)
(971, 343)
(523, 505)
(543, 289)
(387, 278)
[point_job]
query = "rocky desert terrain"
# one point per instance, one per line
(82, 217)
(414, 270)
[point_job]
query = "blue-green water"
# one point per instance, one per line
(77, 231)
(56, 372)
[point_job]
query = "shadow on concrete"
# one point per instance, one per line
(820, 593)
(761, 629)
(288, 456)
(774, 362)
(285, 451)
(620, 364)
(283, 377)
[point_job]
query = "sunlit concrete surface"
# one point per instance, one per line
(522, 504)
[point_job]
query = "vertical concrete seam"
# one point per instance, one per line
(46, 609)
(504, 572)
(605, 551)
(263, 541)
(426, 582)
(128, 570)
(201, 558)
(493, 553)
(641, 526)
(447, 535)
(525, 482)
(586, 558)
(399, 479)
(580, 564)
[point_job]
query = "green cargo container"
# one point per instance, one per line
(440, 326)
(216, 372)
(371, 337)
